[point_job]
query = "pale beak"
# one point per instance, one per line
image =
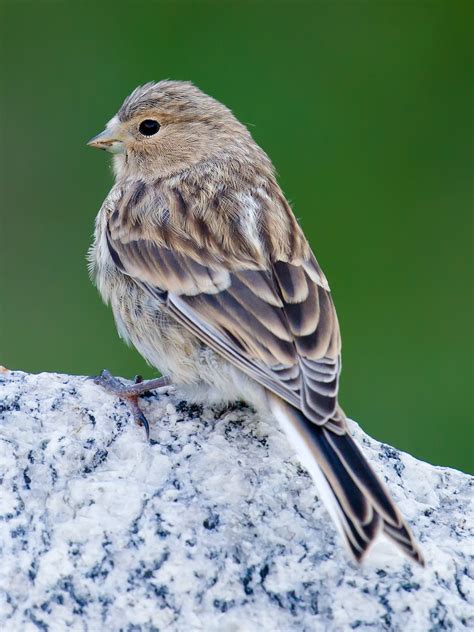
(107, 140)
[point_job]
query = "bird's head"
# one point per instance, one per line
(163, 128)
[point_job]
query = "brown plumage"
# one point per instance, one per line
(210, 276)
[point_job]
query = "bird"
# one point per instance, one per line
(210, 277)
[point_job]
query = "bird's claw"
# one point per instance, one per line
(140, 417)
(110, 383)
(130, 393)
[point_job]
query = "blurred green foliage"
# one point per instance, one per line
(365, 109)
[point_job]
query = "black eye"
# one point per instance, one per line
(149, 127)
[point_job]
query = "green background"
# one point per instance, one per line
(365, 109)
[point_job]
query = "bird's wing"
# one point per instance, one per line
(275, 321)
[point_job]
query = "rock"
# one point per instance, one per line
(213, 526)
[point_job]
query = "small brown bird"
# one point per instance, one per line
(211, 278)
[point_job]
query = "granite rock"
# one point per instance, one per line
(211, 526)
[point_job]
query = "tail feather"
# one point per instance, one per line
(356, 499)
(355, 463)
(359, 537)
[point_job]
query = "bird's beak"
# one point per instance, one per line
(109, 140)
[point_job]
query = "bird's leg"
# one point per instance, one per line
(117, 387)
(131, 392)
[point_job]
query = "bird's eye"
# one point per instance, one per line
(149, 127)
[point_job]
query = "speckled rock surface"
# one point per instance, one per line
(213, 526)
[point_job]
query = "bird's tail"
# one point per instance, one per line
(356, 499)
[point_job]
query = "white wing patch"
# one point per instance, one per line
(249, 216)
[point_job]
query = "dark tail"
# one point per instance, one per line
(357, 501)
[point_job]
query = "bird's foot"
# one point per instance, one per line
(131, 392)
